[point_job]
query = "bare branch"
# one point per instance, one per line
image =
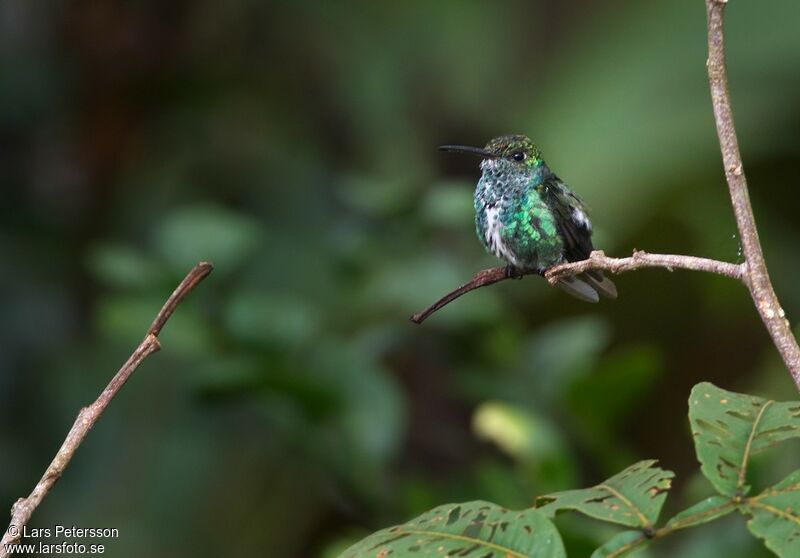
(597, 260)
(481, 279)
(24, 507)
(758, 281)
(640, 260)
(197, 274)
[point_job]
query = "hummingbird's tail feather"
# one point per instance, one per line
(578, 288)
(600, 283)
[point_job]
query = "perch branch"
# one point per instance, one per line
(640, 260)
(23, 509)
(758, 281)
(597, 260)
(481, 279)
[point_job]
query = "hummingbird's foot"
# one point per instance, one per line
(513, 273)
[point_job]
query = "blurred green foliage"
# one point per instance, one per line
(294, 409)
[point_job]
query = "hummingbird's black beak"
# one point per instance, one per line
(467, 149)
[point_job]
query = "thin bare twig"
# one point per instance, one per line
(597, 260)
(197, 274)
(481, 279)
(758, 281)
(24, 507)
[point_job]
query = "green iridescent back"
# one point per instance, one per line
(512, 218)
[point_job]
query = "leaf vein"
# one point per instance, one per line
(749, 444)
(777, 511)
(614, 492)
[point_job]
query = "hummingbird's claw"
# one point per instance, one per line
(513, 273)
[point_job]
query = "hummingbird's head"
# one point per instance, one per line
(515, 153)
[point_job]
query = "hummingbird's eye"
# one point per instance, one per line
(519, 156)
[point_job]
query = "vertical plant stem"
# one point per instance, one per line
(757, 276)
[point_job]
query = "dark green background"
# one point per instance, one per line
(294, 408)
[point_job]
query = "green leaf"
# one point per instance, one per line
(624, 380)
(212, 233)
(633, 497)
(460, 529)
(623, 544)
(559, 354)
(520, 433)
(123, 266)
(702, 512)
(276, 318)
(729, 427)
(776, 516)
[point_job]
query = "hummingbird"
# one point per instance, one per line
(528, 217)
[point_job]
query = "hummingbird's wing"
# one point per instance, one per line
(572, 219)
(576, 231)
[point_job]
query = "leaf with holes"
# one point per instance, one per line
(776, 516)
(477, 529)
(633, 497)
(623, 544)
(729, 427)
